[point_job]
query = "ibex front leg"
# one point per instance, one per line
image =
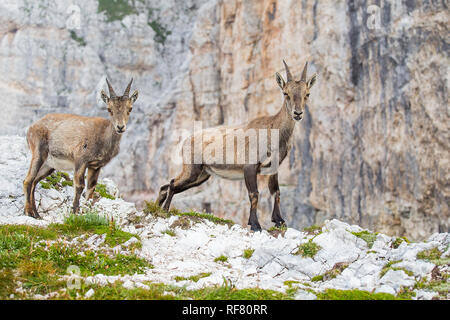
(78, 180)
(250, 173)
(92, 178)
(275, 189)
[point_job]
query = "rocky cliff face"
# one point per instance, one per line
(372, 149)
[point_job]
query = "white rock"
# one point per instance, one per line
(397, 279)
(89, 293)
(385, 289)
(304, 295)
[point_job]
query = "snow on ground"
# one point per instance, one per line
(192, 251)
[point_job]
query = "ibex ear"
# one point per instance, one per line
(312, 80)
(134, 96)
(280, 80)
(104, 97)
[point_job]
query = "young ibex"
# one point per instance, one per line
(296, 94)
(72, 142)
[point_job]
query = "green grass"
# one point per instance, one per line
(308, 249)
(367, 237)
(56, 180)
(169, 232)
(158, 291)
(398, 241)
(193, 278)
(334, 294)
(248, 253)
(155, 210)
(101, 189)
(441, 285)
(91, 222)
(221, 259)
(28, 255)
(434, 256)
(313, 230)
(389, 266)
(431, 254)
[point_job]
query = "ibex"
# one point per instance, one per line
(194, 173)
(72, 142)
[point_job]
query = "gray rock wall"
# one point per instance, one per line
(372, 149)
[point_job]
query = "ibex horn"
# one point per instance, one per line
(111, 90)
(127, 90)
(305, 70)
(288, 73)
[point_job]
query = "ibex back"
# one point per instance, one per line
(72, 142)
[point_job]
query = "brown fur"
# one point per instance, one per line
(296, 93)
(67, 141)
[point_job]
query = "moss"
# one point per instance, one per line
(193, 278)
(161, 33)
(248, 253)
(78, 39)
(334, 294)
(221, 259)
(115, 10)
(308, 249)
(367, 237)
(317, 278)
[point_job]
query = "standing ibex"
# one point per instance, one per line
(296, 93)
(72, 142)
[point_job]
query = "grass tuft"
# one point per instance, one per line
(248, 253)
(308, 249)
(367, 237)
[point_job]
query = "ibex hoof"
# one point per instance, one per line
(33, 214)
(255, 228)
(280, 223)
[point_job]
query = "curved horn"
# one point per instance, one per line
(288, 73)
(111, 90)
(127, 90)
(305, 70)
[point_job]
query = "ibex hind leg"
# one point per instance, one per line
(275, 189)
(162, 196)
(250, 176)
(191, 176)
(44, 171)
(39, 155)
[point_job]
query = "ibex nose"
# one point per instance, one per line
(120, 128)
(298, 113)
